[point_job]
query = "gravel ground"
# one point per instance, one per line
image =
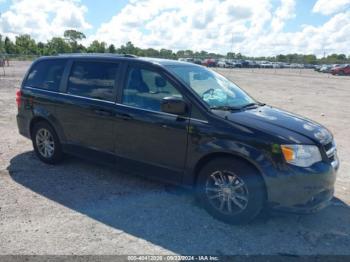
(82, 208)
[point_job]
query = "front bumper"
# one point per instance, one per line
(303, 190)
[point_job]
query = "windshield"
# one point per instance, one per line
(214, 89)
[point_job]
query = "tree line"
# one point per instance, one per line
(26, 46)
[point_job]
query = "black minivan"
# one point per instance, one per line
(181, 123)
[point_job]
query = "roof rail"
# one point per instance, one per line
(97, 54)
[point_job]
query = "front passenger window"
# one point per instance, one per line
(146, 89)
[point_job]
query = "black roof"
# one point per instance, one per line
(158, 61)
(162, 61)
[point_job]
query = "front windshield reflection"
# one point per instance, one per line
(214, 89)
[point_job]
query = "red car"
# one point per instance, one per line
(341, 70)
(209, 62)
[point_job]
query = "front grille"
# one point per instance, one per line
(331, 153)
(330, 149)
(328, 146)
(332, 158)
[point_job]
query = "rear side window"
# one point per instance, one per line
(46, 74)
(93, 80)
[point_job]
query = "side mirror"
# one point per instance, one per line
(173, 105)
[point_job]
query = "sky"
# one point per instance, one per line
(250, 27)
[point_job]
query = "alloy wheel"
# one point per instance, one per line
(45, 143)
(227, 192)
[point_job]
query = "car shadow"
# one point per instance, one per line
(169, 217)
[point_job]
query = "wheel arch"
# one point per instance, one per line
(42, 118)
(57, 153)
(36, 120)
(219, 155)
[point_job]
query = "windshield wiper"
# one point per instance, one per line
(252, 104)
(225, 108)
(235, 108)
(249, 105)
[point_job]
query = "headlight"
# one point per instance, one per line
(301, 155)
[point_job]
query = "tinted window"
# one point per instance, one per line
(46, 74)
(146, 89)
(93, 79)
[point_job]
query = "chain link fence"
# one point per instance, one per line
(12, 64)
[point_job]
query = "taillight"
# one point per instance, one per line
(18, 98)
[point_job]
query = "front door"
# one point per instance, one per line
(147, 140)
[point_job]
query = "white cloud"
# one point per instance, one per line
(328, 7)
(284, 12)
(331, 37)
(251, 27)
(43, 19)
(200, 25)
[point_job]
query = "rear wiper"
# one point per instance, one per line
(225, 108)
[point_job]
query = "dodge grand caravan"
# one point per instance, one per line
(181, 123)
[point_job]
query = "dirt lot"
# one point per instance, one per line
(82, 208)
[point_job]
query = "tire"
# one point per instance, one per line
(236, 173)
(44, 138)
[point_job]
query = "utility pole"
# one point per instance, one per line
(232, 42)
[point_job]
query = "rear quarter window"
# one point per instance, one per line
(46, 74)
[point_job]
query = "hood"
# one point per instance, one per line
(273, 120)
